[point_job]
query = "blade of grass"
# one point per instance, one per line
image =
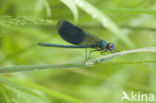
(60, 66)
(37, 67)
(51, 92)
(48, 9)
(40, 4)
(72, 6)
(4, 93)
(117, 54)
(132, 62)
(132, 10)
(24, 90)
(104, 20)
(7, 20)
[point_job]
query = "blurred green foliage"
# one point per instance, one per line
(129, 24)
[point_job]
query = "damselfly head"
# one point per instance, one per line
(110, 47)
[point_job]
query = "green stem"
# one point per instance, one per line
(132, 62)
(61, 66)
(117, 54)
(37, 67)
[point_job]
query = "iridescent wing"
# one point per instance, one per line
(73, 34)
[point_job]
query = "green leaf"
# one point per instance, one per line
(72, 6)
(51, 92)
(24, 90)
(104, 20)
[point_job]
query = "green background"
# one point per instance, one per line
(129, 24)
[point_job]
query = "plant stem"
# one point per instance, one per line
(37, 67)
(117, 54)
(61, 66)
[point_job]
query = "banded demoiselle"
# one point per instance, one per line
(81, 39)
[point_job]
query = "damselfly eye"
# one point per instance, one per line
(110, 46)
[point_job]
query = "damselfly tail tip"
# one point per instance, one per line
(41, 44)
